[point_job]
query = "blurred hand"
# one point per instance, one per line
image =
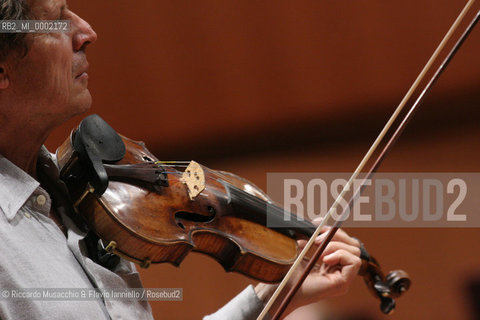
(335, 271)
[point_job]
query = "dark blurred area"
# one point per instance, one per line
(473, 296)
(284, 86)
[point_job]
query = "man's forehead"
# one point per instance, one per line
(43, 9)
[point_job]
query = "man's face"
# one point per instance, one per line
(52, 78)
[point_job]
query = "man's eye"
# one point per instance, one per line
(64, 15)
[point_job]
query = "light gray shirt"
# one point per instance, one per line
(35, 253)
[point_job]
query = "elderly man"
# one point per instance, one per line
(43, 82)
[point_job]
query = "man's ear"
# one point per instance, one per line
(4, 82)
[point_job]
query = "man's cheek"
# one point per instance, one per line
(60, 75)
(62, 68)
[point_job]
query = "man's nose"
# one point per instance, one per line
(83, 34)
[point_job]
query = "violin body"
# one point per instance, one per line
(163, 224)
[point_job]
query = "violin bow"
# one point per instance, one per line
(388, 146)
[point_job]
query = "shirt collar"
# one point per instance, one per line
(16, 186)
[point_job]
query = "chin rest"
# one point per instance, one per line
(97, 143)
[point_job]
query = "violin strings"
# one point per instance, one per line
(171, 162)
(360, 167)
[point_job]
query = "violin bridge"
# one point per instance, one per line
(194, 178)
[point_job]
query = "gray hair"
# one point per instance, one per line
(10, 42)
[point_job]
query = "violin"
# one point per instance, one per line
(150, 211)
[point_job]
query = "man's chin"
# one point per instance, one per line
(81, 103)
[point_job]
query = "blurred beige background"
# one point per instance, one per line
(271, 86)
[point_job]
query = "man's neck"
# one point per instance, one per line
(21, 147)
(23, 130)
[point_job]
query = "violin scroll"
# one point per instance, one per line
(384, 288)
(399, 282)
